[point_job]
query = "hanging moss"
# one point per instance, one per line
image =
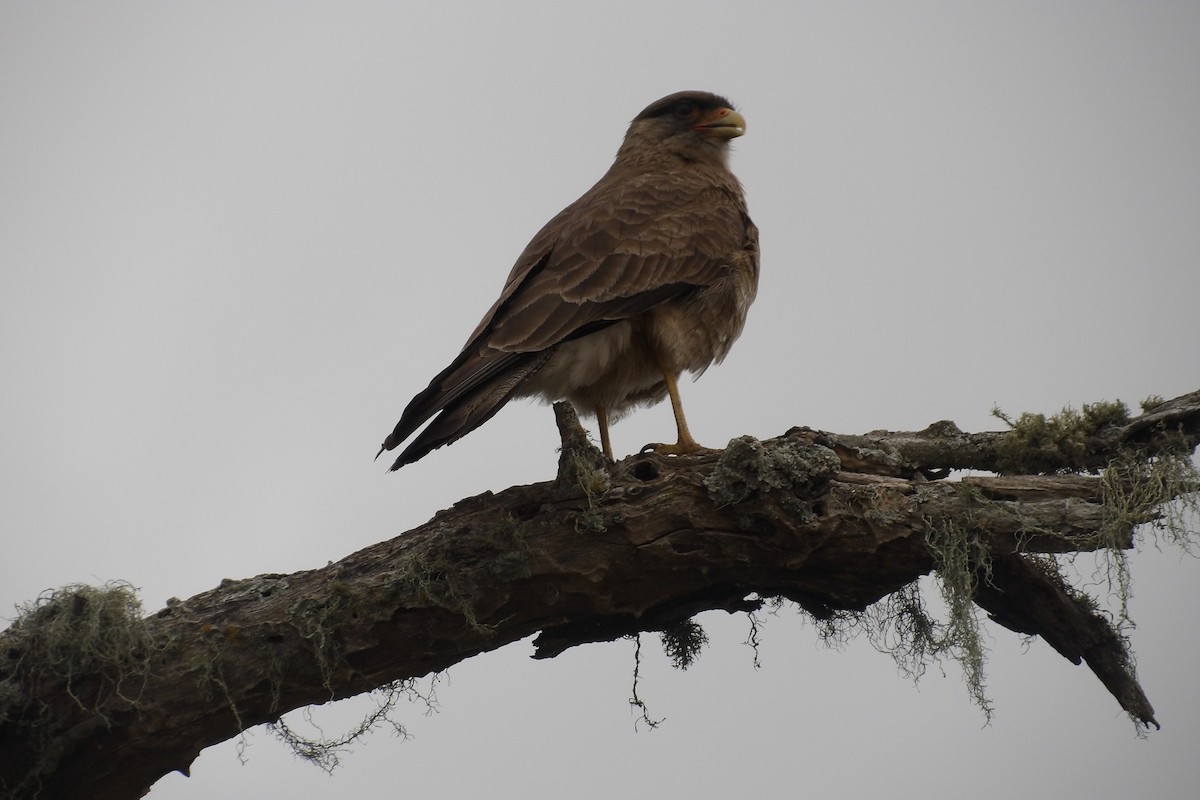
(325, 752)
(961, 560)
(901, 626)
(1161, 493)
(682, 642)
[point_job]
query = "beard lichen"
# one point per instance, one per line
(1139, 493)
(93, 640)
(1160, 494)
(901, 626)
(445, 569)
(325, 752)
(317, 621)
(961, 560)
(583, 471)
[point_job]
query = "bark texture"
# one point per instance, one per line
(830, 522)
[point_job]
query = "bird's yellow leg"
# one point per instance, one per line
(686, 444)
(605, 442)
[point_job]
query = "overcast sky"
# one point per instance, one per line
(236, 238)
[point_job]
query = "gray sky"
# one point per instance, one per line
(236, 238)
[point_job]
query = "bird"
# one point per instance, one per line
(649, 274)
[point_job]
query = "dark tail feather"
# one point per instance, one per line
(471, 400)
(456, 382)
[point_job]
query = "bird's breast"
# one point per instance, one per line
(691, 333)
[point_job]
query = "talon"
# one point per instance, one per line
(689, 448)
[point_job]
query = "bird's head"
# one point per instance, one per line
(696, 126)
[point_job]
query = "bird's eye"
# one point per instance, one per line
(685, 109)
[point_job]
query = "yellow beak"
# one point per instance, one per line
(724, 123)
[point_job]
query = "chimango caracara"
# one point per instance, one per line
(646, 276)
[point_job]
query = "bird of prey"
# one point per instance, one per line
(649, 274)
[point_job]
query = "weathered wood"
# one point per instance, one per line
(830, 522)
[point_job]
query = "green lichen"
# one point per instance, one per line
(434, 575)
(1152, 402)
(585, 469)
(1037, 444)
(749, 468)
(589, 476)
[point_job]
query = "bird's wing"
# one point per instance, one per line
(623, 248)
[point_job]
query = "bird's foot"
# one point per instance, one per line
(687, 448)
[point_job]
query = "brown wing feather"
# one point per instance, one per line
(607, 257)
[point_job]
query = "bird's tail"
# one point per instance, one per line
(464, 396)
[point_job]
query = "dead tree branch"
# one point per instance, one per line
(830, 522)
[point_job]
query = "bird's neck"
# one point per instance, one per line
(637, 153)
